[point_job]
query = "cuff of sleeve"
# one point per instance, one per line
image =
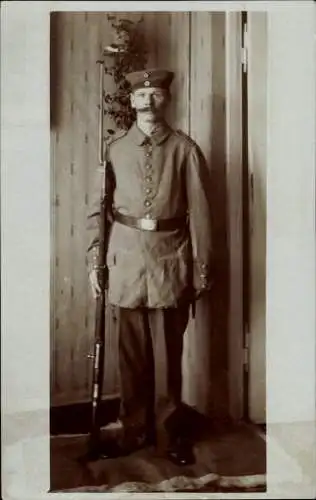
(202, 276)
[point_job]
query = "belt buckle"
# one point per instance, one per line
(148, 224)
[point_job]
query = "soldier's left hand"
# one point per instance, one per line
(94, 283)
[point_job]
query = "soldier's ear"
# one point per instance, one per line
(132, 99)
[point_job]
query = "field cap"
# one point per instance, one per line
(154, 77)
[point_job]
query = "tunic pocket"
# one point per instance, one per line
(126, 279)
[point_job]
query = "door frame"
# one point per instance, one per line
(256, 334)
(234, 170)
(246, 236)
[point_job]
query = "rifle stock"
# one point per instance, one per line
(99, 347)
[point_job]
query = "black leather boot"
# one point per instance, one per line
(180, 451)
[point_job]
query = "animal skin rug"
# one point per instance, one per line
(208, 483)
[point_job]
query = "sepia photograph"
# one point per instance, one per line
(158, 132)
(158, 249)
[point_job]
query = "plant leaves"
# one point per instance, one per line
(117, 103)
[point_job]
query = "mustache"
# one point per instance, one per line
(146, 108)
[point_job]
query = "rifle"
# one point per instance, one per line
(95, 450)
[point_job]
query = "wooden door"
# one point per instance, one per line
(257, 164)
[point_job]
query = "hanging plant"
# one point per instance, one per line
(127, 53)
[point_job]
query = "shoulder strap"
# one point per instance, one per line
(112, 139)
(185, 136)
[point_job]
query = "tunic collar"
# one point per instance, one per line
(163, 131)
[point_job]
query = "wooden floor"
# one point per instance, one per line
(229, 458)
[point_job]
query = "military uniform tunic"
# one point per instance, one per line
(160, 177)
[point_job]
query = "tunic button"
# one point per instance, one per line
(148, 155)
(147, 203)
(148, 178)
(148, 190)
(148, 166)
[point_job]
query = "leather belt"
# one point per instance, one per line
(146, 224)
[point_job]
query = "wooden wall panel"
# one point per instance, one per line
(173, 48)
(80, 138)
(168, 39)
(63, 207)
(81, 38)
(186, 43)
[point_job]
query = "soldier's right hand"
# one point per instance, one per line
(94, 283)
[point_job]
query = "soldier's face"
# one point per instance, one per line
(150, 103)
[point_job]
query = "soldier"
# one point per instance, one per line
(158, 259)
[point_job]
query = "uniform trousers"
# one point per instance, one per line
(150, 347)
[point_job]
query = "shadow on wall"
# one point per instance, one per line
(216, 310)
(208, 378)
(219, 306)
